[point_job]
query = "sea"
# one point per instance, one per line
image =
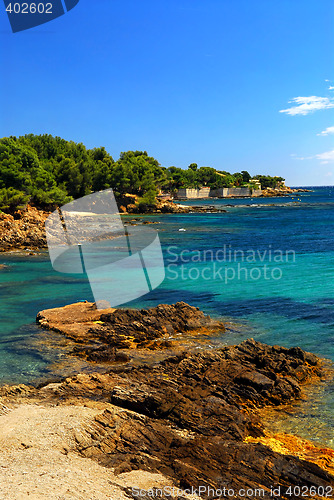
(263, 265)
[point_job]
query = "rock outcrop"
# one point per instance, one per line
(24, 229)
(196, 419)
(101, 333)
(169, 207)
(128, 205)
(189, 418)
(282, 191)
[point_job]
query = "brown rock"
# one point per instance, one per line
(24, 229)
(112, 329)
(195, 418)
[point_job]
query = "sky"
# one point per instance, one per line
(231, 84)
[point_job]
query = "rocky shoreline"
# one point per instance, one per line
(25, 230)
(190, 420)
(282, 191)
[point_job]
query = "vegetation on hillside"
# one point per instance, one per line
(48, 171)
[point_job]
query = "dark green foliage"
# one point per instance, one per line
(12, 199)
(23, 178)
(148, 200)
(245, 176)
(269, 182)
(196, 177)
(49, 171)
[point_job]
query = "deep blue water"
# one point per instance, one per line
(267, 265)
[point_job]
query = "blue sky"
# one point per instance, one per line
(203, 81)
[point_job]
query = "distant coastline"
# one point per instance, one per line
(24, 228)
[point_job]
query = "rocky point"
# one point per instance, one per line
(196, 419)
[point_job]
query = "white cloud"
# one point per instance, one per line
(327, 131)
(331, 87)
(306, 105)
(326, 157)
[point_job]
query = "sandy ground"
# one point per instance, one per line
(38, 461)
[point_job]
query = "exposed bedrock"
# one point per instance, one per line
(113, 329)
(195, 418)
(190, 417)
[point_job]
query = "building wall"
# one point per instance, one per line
(219, 193)
(242, 192)
(256, 192)
(193, 193)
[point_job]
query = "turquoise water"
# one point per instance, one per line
(278, 287)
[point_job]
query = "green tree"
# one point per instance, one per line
(245, 176)
(11, 199)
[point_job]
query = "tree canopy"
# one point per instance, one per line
(49, 171)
